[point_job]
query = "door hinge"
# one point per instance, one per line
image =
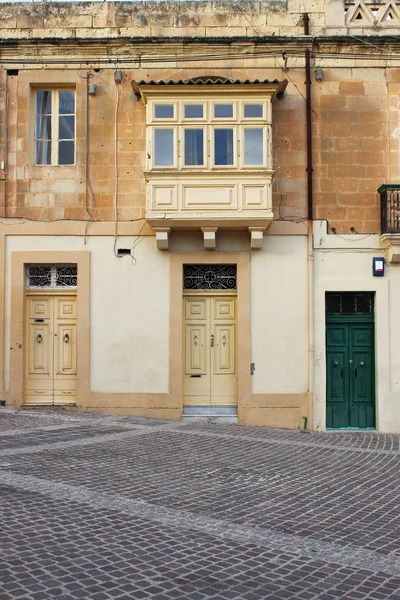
(252, 368)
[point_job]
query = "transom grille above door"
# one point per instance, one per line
(209, 277)
(51, 277)
(349, 303)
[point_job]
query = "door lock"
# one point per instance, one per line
(212, 341)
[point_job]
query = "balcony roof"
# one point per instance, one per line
(140, 88)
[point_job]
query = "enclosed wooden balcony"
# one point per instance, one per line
(390, 220)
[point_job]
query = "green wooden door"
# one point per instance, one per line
(350, 393)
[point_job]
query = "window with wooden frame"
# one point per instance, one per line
(54, 126)
(209, 135)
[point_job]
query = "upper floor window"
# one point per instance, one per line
(54, 127)
(209, 134)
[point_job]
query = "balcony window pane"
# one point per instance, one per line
(223, 111)
(194, 147)
(253, 147)
(43, 152)
(66, 153)
(66, 101)
(164, 111)
(223, 146)
(66, 129)
(253, 111)
(43, 103)
(193, 111)
(164, 147)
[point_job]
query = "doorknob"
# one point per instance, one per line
(39, 338)
(66, 338)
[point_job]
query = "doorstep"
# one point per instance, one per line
(210, 414)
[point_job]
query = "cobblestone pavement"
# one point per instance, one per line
(98, 507)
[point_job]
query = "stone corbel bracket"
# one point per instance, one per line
(256, 237)
(209, 234)
(390, 242)
(162, 237)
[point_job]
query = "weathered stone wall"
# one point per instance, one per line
(356, 142)
(167, 18)
(355, 106)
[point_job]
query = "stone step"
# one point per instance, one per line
(210, 419)
(210, 414)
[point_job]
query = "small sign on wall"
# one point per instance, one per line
(378, 266)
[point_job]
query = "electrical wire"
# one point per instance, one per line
(284, 69)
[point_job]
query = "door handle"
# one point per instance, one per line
(212, 341)
(39, 338)
(355, 372)
(66, 338)
(341, 373)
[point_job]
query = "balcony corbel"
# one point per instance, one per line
(256, 237)
(209, 237)
(162, 237)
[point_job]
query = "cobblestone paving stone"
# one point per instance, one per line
(100, 507)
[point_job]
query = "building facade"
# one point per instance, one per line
(190, 224)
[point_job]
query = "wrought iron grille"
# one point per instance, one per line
(390, 208)
(51, 276)
(349, 303)
(209, 277)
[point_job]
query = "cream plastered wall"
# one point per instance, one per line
(279, 315)
(345, 264)
(129, 311)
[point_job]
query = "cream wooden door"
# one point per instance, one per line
(50, 374)
(209, 373)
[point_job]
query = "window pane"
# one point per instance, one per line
(164, 147)
(163, 111)
(43, 128)
(42, 152)
(66, 128)
(253, 110)
(194, 148)
(66, 100)
(253, 147)
(66, 152)
(223, 110)
(43, 103)
(193, 111)
(223, 146)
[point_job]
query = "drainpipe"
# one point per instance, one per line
(310, 253)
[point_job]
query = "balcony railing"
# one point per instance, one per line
(390, 208)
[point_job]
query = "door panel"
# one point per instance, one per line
(65, 350)
(51, 349)
(223, 374)
(39, 350)
(224, 352)
(196, 376)
(65, 308)
(196, 349)
(209, 351)
(350, 375)
(40, 308)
